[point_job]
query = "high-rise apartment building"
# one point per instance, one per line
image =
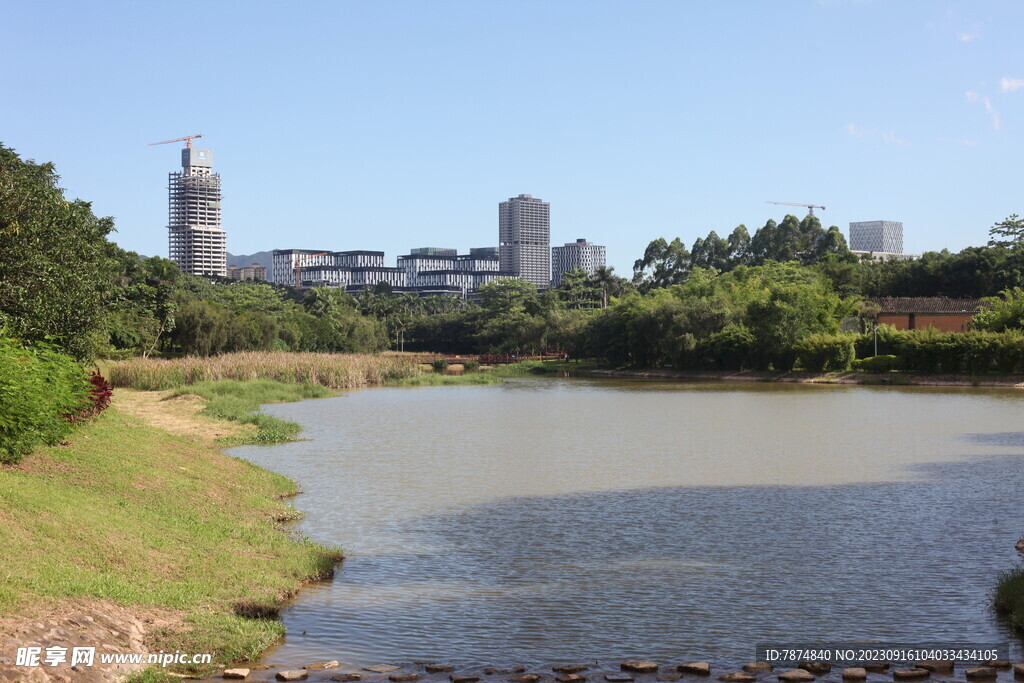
(198, 243)
(877, 236)
(581, 254)
(524, 239)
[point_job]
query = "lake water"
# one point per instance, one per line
(547, 520)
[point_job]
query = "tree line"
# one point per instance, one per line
(66, 284)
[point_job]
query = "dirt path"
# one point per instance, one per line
(178, 415)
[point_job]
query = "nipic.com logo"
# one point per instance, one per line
(38, 656)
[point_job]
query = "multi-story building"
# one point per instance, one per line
(524, 239)
(198, 243)
(877, 236)
(253, 272)
(580, 254)
(286, 260)
(426, 270)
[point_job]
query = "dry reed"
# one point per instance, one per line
(334, 370)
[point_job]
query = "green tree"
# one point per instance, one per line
(54, 261)
(663, 264)
(1008, 233)
(1001, 313)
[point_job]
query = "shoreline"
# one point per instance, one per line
(225, 607)
(849, 378)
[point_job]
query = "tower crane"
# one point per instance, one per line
(187, 139)
(298, 266)
(810, 207)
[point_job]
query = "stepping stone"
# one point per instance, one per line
(381, 668)
(298, 675)
(404, 678)
(639, 666)
(738, 677)
(979, 672)
(757, 667)
(854, 673)
(438, 668)
(494, 670)
(320, 666)
(569, 668)
(525, 678)
(999, 664)
(1018, 670)
(345, 678)
(618, 678)
(876, 667)
(670, 676)
(696, 668)
(463, 679)
(816, 668)
(571, 678)
(796, 675)
(938, 666)
(915, 672)
(236, 673)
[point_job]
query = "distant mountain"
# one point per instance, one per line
(264, 258)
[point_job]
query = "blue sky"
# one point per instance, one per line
(391, 125)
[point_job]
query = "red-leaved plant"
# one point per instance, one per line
(97, 400)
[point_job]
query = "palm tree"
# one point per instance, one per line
(604, 277)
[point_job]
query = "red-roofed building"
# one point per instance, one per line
(915, 313)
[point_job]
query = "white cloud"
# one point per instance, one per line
(855, 131)
(1010, 84)
(967, 143)
(993, 114)
(890, 138)
(967, 37)
(991, 111)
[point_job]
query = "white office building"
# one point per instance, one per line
(877, 236)
(581, 254)
(524, 239)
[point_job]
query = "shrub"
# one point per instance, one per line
(731, 348)
(96, 400)
(888, 342)
(826, 352)
(470, 366)
(440, 365)
(40, 391)
(880, 363)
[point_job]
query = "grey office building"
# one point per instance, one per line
(198, 243)
(580, 254)
(877, 236)
(524, 239)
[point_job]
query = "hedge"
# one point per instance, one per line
(42, 393)
(825, 352)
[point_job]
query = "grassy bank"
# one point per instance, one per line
(129, 514)
(1009, 597)
(332, 370)
(428, 379)
(239, 401)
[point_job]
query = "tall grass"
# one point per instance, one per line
(1009, 597)
(333, 370)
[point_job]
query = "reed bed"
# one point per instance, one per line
(332, 370)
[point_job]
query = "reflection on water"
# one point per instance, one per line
(546, 520)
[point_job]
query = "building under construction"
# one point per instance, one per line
(198, 244)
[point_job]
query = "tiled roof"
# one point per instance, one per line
(927, 304)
